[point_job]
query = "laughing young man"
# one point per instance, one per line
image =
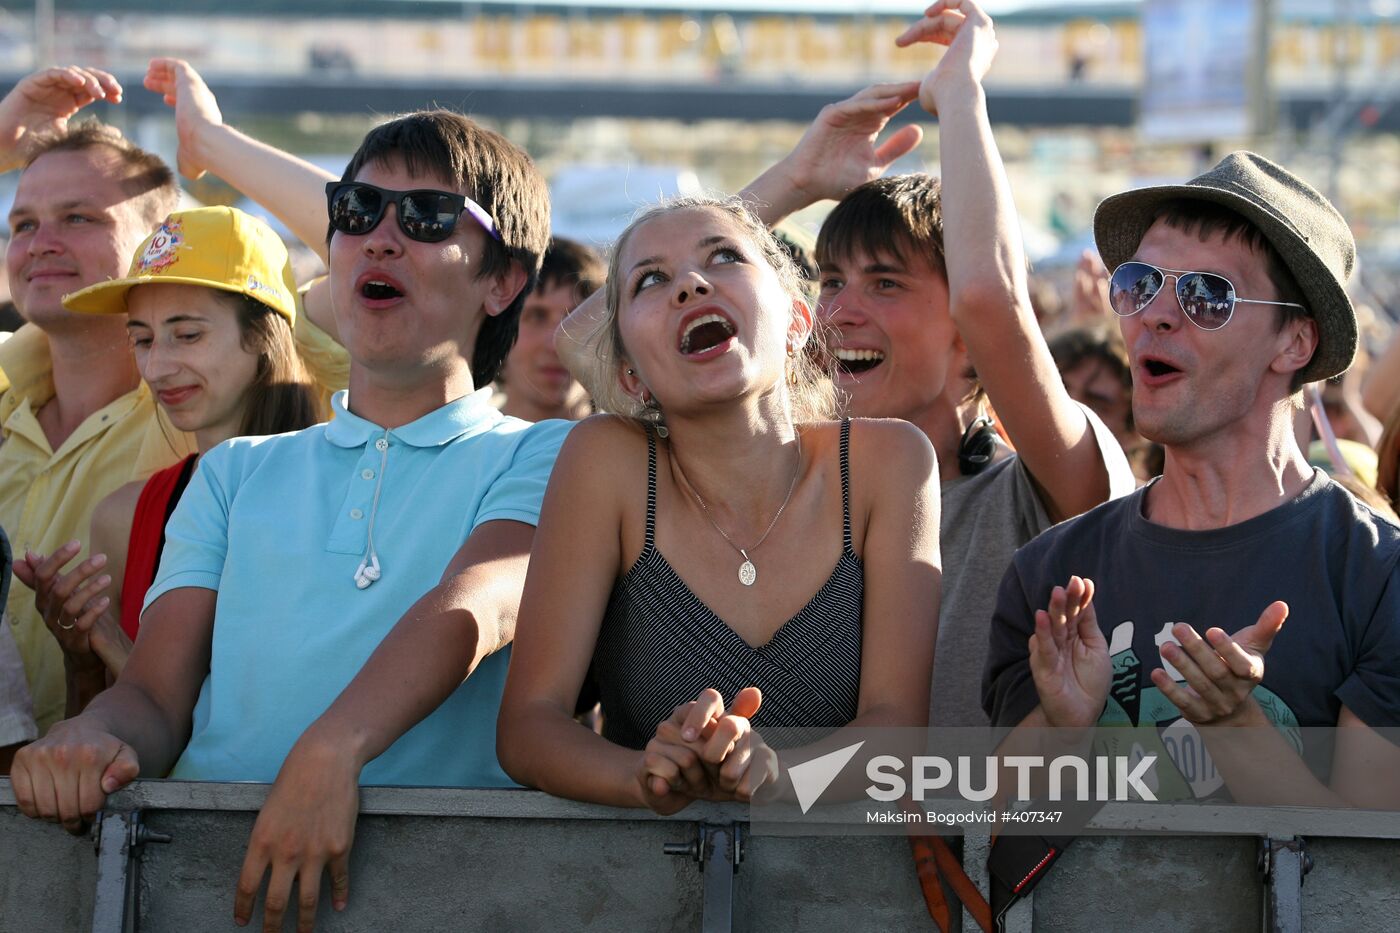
(1231, 291)
(924, 286)
(333, 604)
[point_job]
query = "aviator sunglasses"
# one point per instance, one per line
(1207, 299)
(424, 214)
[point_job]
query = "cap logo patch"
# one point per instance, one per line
(163, 249)
(256, 284)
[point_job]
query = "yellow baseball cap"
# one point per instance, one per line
(216, 247)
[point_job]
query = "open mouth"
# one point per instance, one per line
(1157, 368)
(856, 362)
(378, 290)
(705, 333)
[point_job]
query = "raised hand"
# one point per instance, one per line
(306, 827)
(839, 150)
(1069, 657)
(1089, 302)
(65, 777)
(44, 101)
(196, 108)
(1221, 671)
(74, 607)
(965, 28)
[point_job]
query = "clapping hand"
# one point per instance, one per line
(74, 607)
(1069, 657)
(1221, 670)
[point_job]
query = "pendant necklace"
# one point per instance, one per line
(748, 573)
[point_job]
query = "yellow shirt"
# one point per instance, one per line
(47, 497)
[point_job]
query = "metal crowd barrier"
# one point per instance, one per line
(165, 856)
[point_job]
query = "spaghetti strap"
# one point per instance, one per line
(846, 487)
(651, 493)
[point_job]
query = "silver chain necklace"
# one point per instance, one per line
(748, 573)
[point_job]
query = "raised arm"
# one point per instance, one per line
(43, 102)
(988, 296)
(837, 153)
(291, 188)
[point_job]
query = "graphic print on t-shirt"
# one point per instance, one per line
(1145, 722)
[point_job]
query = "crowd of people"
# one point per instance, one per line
(346, 533)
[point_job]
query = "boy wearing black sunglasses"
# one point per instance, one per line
(1165, 611)
(357, 580)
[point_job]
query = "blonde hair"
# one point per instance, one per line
(811, 392)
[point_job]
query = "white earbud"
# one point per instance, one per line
(367, 573)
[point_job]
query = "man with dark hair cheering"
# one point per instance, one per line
(1165, 610)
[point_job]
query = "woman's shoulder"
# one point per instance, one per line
(882, 443)
(604, 443)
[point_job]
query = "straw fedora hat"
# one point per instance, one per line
(1307, 231)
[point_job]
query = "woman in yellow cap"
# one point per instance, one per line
(210, 308)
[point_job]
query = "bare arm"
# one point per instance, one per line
(988, 295)
(291, 188)
(434, 647)
(577, 557)
(903, 573)
(137, 726)
(308, 822)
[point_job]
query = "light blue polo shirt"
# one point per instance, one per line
(278, 525)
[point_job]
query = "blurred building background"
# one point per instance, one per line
(621, 102)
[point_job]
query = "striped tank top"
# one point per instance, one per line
(660, 645)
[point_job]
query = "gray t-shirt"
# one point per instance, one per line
(985, 518)
(1334, 562)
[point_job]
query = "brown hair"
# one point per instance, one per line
(282, 397)
(1206, 219)
(1100, 343)
(569, 262)
(150, 181)
(813, 397)
(899, 215)
(493, 172)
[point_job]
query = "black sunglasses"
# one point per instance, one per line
(1207, 299)
(424, 214)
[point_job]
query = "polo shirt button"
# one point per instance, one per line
(366, 474)
(381, 445)
(356, 514)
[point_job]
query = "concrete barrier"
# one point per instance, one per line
(446, 859)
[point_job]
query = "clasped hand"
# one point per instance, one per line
(705, 752)
(73, 607)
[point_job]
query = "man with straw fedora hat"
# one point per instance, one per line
(1166, 609)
